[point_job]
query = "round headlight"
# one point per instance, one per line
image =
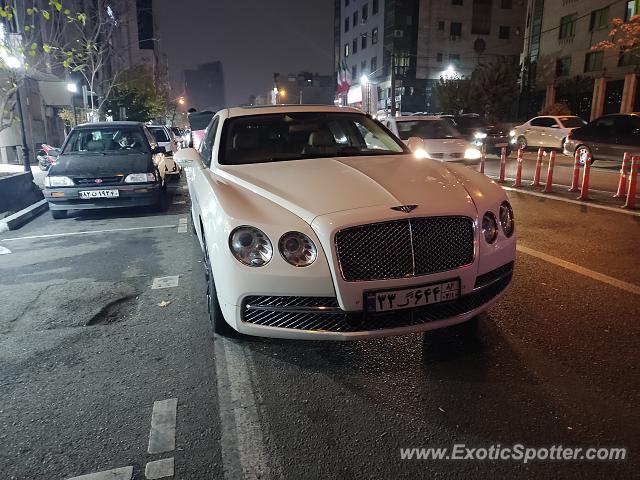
(489, 227)
(250, 246)
(298, 249)
(506, 219)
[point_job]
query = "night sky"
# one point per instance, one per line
(252, 38)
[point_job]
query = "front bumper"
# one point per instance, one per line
(134, 195)
(321, 318)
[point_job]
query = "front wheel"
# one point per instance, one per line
(522, 142)
(216, 319)
(583, 151)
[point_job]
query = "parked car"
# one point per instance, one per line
(165, 138)
(180, 136)
(546, 131)
(606, 138)
(317, 223)
(198, 122)
(47, 156)
(105, 165)
(433, 137)
(481, 133)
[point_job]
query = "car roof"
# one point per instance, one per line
(120, 123)
(270, 109)
(413, 118)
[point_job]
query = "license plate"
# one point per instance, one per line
(502, 144)
(99, 194)
(387, 300)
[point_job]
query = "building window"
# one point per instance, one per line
(354, 72)
(363, 42)
(455, 29)
(374, 7)
(346, 50)
(355, 18)
(439, 57)
(593, 61)
(632, 9)
(504, 33)
(481, 17)
(374, 36)
(568, 26)
(441, 26)
(456, 2)
(346, 24)
(374, 64)
(599, 19)
(507, 4)
(628, 58)
(365, 12)
(354, 46)
(563, 66)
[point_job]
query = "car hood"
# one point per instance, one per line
(314, 187)
(88, 165)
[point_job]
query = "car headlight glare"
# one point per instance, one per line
(250, 246)
(480, 135)
(472, 154)
(58, 182)
(297, 249)
(421, 153)
(140, 178)
(489, 228)
(507, 221)
(512, 133)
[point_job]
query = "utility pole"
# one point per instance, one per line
(25, 145)
(393, 85)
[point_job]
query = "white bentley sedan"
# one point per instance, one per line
(317, 223)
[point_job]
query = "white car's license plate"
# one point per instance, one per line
(99, 194)
(384, 301)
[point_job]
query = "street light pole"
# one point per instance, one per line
(25, 146)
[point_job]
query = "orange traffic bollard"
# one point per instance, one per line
(518, 182)
(584, 192)
(548, 188)
(503, 163)
(576, 173)
(622, 183)
(536, 176)
(633, 175)
(483, 158)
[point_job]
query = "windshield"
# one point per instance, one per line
(572, 122)
(434, 129)
(293, 136)
(176, 130)
(159, 134)
(106, 139)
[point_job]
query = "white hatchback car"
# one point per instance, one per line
(315, 223)
(546, 131)
(433, 137)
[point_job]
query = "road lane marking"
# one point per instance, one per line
(183, 220)
(614, 282)
(179, 202)
(123, 473)
(243, 452)
(159, 469)
(575, 202)
(86, 232)
(165, 282)
(4, 250)
(162, 437)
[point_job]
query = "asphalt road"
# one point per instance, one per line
(87, 348)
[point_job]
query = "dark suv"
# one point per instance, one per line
(606, 138)
(479, 132)
(105, 165)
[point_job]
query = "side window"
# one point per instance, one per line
(206, 147)
(543, 122)
(624, 125)
(604, 125)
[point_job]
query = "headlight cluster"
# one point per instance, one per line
(58, 182)
(140, 178)
(472, 154)
(512, 133)
(252, 247)
(421, 153)
(480, 135)
(490, 224)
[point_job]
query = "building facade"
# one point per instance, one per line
(560, 63)
(424, 40)
(204, 87)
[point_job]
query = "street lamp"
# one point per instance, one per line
(364, 80)
(181, 100)
(72, 87)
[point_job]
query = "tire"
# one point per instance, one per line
(217, 322)
(583, 149)
(522, 142)
(59, 214)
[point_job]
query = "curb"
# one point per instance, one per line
(25, 215)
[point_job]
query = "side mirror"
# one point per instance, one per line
(158, 149)
(415, 143)
(186, 156)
